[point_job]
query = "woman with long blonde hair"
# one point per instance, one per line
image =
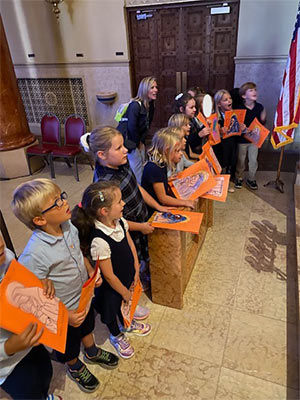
(139, 117)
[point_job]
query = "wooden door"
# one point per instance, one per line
(183, 45)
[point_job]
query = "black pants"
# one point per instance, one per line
(114, 327)
(31, 378)
(74, 336)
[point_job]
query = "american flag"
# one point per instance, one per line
(288, 107)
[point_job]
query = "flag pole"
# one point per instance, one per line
(278, 182)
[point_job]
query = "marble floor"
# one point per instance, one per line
(236, 337)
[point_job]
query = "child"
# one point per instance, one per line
(248, 93)
(104, 234)
(226, 150)
(107, 147)
(186, 104)
(165, 152)
(25, 366)
(181, 128)
(53, 252)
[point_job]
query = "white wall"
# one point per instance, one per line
(264, 38)
(265, 27)
(95, 28)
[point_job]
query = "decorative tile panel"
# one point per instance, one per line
(60, 96)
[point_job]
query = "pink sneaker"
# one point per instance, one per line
(137, 328)
(122, 345)
(141, 313)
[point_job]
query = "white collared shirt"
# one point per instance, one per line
(99, 247)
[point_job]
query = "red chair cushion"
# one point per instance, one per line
(66, 151)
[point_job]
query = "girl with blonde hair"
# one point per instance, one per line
(164, 153)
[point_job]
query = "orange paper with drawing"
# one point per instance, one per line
(202, 119)
(256, 133)
(22, 301)
(209, 156)
(193, 181)
(232, 122)
(185, 221)
(87, 291)
(128, 308)
(220, 190)
(214, 137)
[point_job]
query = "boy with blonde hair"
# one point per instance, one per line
(253, 109)
(53, 252)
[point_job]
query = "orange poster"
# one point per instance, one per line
(232, 122)
(202, 119)
(220, 190)
(209, 156)
(185, 221)
(22, 301)
(214, 137)
(128, 308)
(87, 291)
(193, 181)
(256, 133)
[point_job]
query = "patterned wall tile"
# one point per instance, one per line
(60, 96)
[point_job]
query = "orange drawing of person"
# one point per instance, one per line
(32, 300)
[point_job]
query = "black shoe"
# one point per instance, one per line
(238, 184)
(86, 381)
(104, 358)
(252, 184)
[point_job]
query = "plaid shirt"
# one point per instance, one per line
(135, 208)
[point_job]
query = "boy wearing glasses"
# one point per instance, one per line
(53, 252)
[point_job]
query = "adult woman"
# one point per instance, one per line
(140, 114)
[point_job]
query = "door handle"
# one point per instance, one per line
(184, 81)
(178, 82)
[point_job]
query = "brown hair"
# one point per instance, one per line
(245, 86)
(96, 196)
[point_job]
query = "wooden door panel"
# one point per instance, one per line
(223, 36)
(183, 38)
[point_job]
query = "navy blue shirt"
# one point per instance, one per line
(153, 174)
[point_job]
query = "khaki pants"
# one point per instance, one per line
(252, 150)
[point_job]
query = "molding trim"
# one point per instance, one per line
(108, 63)
(260, 59)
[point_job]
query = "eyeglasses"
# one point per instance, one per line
(58, 202)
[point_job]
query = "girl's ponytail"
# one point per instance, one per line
(84, 223)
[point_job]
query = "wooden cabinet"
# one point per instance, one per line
(183, 45)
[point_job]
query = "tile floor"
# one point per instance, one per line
(236, 337)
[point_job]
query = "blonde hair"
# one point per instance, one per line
(163, 143)
(246, 86)
(178, 120)
(30, 198)
(100, 139)
(144, 87)
(218, 97)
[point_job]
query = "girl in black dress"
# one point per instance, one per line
(186, 104)
(104, 235)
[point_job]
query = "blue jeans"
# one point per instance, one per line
(137, 158)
